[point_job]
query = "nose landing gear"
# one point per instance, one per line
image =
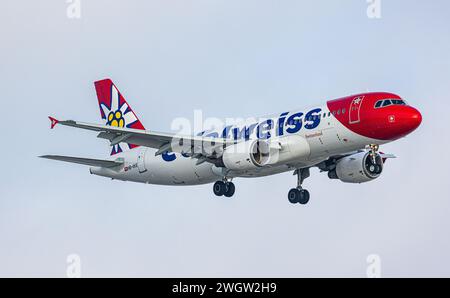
(224, 188)
(299, 195)
(375, 167)
(373, 152)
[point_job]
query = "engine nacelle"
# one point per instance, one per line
(289, 149)
(243, 156)
(358, 168)
(259, 153)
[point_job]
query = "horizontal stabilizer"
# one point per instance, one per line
(86, 161)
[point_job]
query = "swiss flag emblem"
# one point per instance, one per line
(391, 118)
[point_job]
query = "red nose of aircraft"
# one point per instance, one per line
(409, 120)
(401, 121)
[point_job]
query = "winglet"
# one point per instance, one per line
(53, 122)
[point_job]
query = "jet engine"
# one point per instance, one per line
(259, 153)
(358, 168)
(247, 155)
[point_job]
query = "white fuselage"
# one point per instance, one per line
(327, 138)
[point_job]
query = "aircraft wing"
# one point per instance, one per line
(85, 161)
(194, 146)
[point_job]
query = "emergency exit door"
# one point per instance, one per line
(141, 161)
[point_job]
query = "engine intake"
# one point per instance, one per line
(259, 153)
(246, 155)
(358, 168)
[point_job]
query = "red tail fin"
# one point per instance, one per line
(115, 111)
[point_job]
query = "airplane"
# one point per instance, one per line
(341, 137)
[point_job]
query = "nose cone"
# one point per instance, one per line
(412, 119)
(402, 121)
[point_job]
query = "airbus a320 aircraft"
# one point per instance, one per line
(341, 137)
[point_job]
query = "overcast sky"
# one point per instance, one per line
(230, 59)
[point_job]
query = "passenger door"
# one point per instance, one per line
(355, 107)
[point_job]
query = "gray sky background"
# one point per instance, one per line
(228, 58)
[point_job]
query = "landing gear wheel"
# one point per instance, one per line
(378, 169)
(375, 169)
(293, 196)
(229, 189)
(304, 197)
(299, 195)
(219, 188)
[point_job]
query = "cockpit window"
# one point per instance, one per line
(398, 102)
(389, 102)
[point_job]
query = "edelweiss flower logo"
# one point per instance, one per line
(118, 114)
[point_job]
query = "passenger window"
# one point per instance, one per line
(339, 112)
(329, 114)
(343, 111)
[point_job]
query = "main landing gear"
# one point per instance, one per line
(299, 195)
(224, 188)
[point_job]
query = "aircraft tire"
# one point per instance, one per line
(294, 196)
(219, 188)
(229, 189)
(304, 197)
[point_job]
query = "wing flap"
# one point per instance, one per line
(85, 161)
